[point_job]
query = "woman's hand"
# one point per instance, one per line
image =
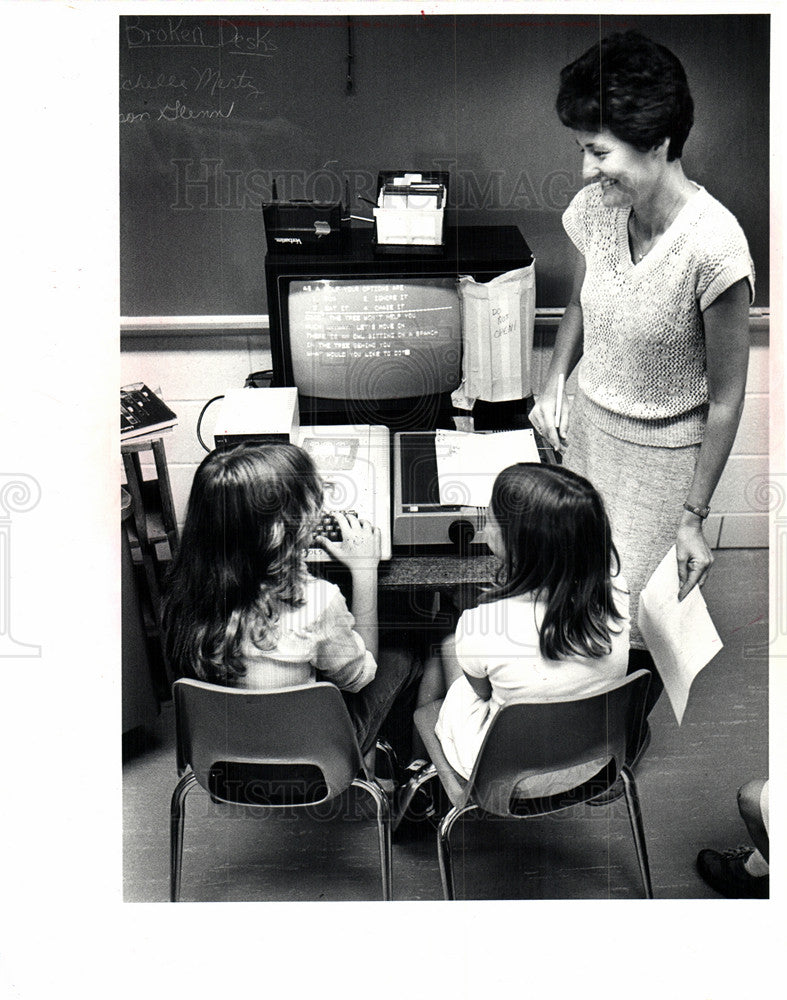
(542, 419)
(694, 555)
(566, 354)
(360, 546)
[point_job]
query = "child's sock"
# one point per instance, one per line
(756, 865)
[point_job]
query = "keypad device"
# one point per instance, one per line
(353, 462)
(328, 526)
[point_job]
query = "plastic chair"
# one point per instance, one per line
(528, 738)
(282, 748)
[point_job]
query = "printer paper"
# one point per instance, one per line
(468, 463)
(681, 637)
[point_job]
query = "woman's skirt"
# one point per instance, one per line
(643, 488)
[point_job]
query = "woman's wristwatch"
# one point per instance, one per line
(701, 512)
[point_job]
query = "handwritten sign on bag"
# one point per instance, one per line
(498, 318)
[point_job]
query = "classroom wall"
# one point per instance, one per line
(212, 110)
(190, 369)
(230, 103)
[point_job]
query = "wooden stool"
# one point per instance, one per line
(139, 684)
(153, 512)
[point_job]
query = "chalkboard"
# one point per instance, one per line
(213, 109)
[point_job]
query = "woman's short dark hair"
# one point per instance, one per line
(631, 86)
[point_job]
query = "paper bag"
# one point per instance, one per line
(498, 318)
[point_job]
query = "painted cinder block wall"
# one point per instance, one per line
(191, 368)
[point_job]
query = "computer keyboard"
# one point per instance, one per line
(328, 526)
(354, 465)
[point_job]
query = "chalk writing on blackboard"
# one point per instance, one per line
(161, 81)
(210, 81)
(232, 37)
(179, 111)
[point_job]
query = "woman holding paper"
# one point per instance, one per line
(658, 316)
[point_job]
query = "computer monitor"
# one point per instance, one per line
(369, 338)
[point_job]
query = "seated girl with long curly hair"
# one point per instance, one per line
(242, 608)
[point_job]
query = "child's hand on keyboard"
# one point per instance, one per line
(359, 548)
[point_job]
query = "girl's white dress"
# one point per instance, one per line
(499, 640)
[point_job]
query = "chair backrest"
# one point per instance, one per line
(530, 738)
(238, 730)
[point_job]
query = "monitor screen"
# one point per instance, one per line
(374, 339)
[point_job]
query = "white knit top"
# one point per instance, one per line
(318, 636)
(643, 365)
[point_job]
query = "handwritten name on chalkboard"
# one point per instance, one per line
(210, 81)
(178, 94)
(175, 112)
(233, 37)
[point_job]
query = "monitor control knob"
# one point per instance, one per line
(461, 534)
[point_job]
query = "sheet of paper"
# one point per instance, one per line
(681, 637)
(468, 463)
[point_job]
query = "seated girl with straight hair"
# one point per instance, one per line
(555, 624)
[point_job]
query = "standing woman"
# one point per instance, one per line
(658, 316)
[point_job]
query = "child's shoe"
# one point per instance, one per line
(725, 871)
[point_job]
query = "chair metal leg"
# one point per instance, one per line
(408, 791)
(176, 817)
(389, 753)
(444, 848)
(383, 831)
(637, 827)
